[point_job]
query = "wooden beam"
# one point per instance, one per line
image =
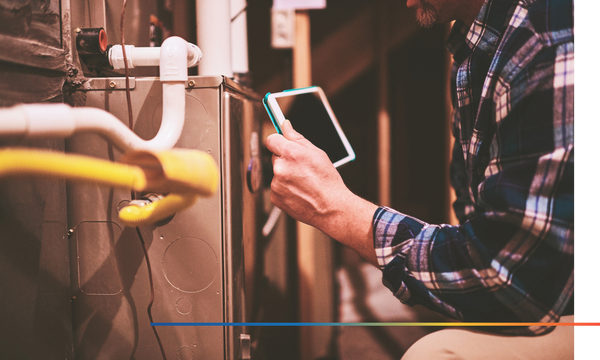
(315, 264)
(349, 51)
(384, 143)
(451, 198)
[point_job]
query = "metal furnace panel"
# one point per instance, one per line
(196, 257)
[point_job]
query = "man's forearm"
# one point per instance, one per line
(350, 221)
(308, 188)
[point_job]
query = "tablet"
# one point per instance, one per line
(310, 114)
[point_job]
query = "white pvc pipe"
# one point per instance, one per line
(239, 37)
(136, 56)
(214, 37)
(147, 56)
(60, 120)
(96, 120)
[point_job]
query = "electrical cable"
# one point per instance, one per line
(239, 13)
(127, 92)
(162, 350)
(137, 229)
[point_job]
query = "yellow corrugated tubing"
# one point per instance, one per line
(42, 163)
(134, 215)
(185, 174)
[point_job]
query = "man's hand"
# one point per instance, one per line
(307, 187)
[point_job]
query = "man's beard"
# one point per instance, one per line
(426, 14)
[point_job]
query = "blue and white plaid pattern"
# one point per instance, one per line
(511, 259)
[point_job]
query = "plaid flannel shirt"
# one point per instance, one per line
(511, 259)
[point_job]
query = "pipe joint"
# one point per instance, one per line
(173, 59)
(151, 56)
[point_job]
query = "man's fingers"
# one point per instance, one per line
(289, 132)
(292, 135)
(278, 144)
(275, 143)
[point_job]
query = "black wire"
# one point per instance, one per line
(162, 350)
(137, 229)
(238, 14)
(127, 92)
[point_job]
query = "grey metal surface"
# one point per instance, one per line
(35, 306)
(197, 258)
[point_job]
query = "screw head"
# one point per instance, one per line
(191, 83)
(112, 85)
(70, 232)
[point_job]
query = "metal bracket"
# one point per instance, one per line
(110, 83)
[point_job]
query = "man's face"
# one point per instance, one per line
(427, 14)
(430, 12)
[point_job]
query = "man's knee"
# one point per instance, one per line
(443, 344)
(472, 345)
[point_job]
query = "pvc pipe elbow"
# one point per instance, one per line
(173, 59)
(194, 55)
(173, 117)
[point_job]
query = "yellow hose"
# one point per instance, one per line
(184, 173)
(134, 215)
(19, 162)
(177, 170)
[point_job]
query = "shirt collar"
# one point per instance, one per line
(485, 31)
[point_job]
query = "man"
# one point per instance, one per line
(511, 258)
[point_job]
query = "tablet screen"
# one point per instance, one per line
(309, 117)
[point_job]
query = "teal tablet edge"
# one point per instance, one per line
(270, 112)
(302, 88)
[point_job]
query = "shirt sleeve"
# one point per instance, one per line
(512, 258)
(501, 265)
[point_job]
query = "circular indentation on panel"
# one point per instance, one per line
(197, 123)
(190, 264)
(184, 306)
(185, 353)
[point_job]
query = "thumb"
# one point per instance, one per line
(289, 132)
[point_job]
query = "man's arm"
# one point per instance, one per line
(308, 188)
